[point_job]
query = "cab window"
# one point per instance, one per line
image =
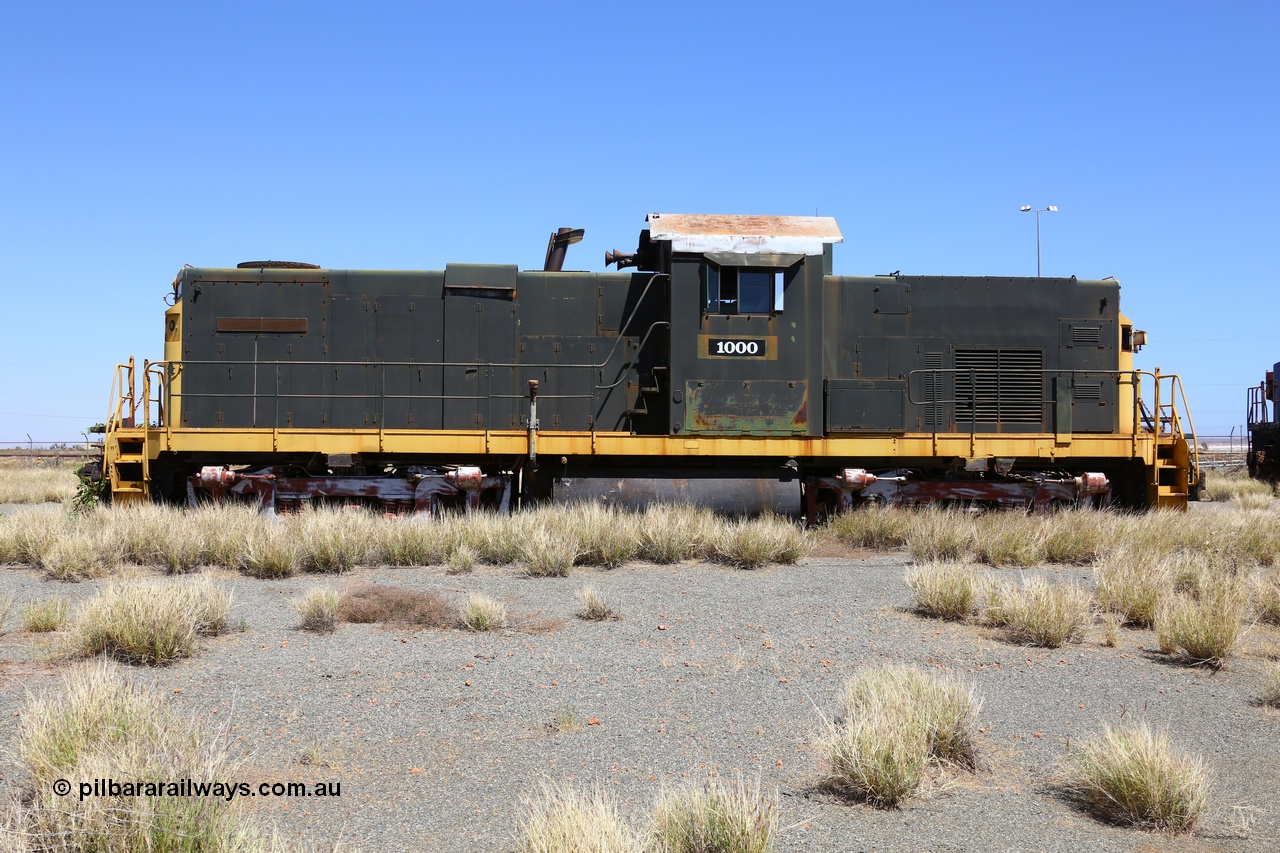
(741, 290)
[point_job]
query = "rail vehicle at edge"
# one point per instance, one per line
(1264, 428)
(723, 364)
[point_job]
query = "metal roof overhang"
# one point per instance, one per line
(701, 232)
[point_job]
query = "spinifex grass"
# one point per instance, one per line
(944, 590)
(1206, 629)
(45, 615)
(897, 720)
(1037, 613)
(941, 534)
(715, 818)
(482, 613)
(1130, 583)
(1009, 539)
(877, 527)
(595, 606)
(30, 482)
(563, 820)
(1132, 774)
(318, 610)
(100, 726)
(150, 622)
(756, 542)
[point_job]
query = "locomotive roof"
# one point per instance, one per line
(707, 232)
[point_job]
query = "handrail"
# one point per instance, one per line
(122, 396)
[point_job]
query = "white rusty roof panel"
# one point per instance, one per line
(703, 232)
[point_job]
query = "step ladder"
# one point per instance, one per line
(1176, 470)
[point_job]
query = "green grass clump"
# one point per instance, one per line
(944, 590)
(563, 820)
(897, 721)
(1133, 775)
(715, 818)
(147, 622)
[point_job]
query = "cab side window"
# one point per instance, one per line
(741, 290)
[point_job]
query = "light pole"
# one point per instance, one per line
(1026, 208)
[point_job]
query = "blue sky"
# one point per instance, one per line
(138, 137)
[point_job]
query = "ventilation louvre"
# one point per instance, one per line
(999, 386)
(933, 390)
(1087, 391)
(1086, 335)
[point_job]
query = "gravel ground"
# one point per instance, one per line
(436, 735)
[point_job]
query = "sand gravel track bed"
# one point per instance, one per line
(435, 735)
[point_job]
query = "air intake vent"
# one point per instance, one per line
(1087, 391)
(1086, 335)
(933, 390)
(999, 386)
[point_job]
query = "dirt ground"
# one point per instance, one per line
(435, 736)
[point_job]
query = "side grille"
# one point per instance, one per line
(999, 386)
(933, 390)
(1086, 335)
(1087, 391)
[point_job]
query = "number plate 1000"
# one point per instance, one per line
(736, 346)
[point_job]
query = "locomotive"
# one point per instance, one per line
(1264, 428)
(722, 363)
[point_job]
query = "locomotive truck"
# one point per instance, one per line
(722, 363)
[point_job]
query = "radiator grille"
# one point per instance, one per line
(999, 386)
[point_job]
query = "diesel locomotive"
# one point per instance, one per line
(722, 363)
(1264, 428)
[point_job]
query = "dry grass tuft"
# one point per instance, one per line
(1270, 693)
(1131, 582)
(367, 603)
(150, 622)
(1111, 623)
(756, 542)
(562, 820)
(595, 607)
(267, 553)
(606, 537)
(45, 615)
(462, 559)
(333, 540)
(549, 553)
(6, 604)
(33, 481)
(100, 726)
(1037, 613)
(880, 528)
(1232, 486)
(1009, 539)
(318, 610)
(1207, 629)
(897, 721)
(715, 818)
(482, 613)
(669, 534)
(944, 590)
(1077, 537)
(1133, 775)
(941, 534)
(1266, 599)
(81, 554)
